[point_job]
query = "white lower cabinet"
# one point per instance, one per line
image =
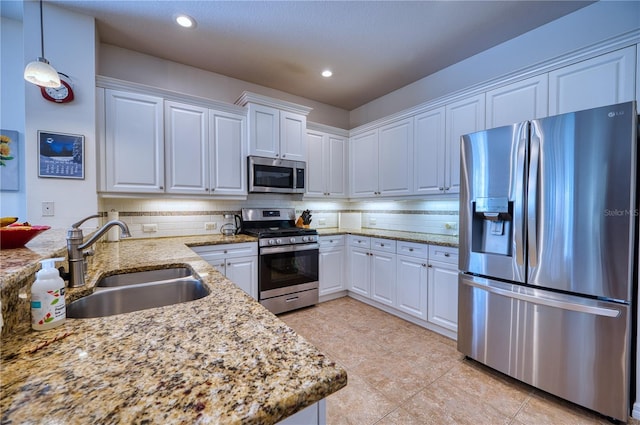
(372, 268)
(332, 265)
(316, 414)
(411, 281)
(238, 262)
(415, 281)
(443, 287)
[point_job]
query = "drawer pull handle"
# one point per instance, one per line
(288, 300)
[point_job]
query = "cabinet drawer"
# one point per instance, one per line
(386, 245)
(444, 254)
(413, 249)
(214, 252)
(360, 241)
(329, 241)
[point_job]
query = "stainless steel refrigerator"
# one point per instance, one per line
(548, 219)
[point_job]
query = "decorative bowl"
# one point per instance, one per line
(17, 235)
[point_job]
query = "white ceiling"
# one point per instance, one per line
(373, 47)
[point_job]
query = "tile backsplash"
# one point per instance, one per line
(181, 217)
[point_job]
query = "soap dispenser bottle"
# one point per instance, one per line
(48, 308)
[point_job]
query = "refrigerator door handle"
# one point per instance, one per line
(519, 199)
(565, 305)
(532, 202)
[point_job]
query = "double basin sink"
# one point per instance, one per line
(128, 292)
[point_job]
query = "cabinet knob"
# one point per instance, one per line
(424, 265)
(429, 266)
(381, 244)
(410, 249)
(447, 188)
(221, 265)
(446, 254)
(283, 155)
(162, 187)
(229, 263)
(225, 251)
(441, 189)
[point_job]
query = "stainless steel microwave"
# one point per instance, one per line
(268, 175)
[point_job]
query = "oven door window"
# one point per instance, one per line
(272, 176)
(287, 269)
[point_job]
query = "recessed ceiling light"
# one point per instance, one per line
(185, 21)
(326, 73)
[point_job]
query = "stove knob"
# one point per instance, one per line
(293, 240)
(271, 241)
(278, 241)
(305, 239)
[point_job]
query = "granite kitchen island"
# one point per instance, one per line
(220, 359)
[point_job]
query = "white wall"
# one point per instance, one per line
(13, 203)
(587, 26)
(136, 67)
(70, 47)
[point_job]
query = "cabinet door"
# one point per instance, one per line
(443, 295)
(359, 271)
(429, 152)
(411, 286)
(364, 165)
(186, 148)
(134, 142)
(264, 131)
(383, 277)
(521, 101)
(336, 156)
(228, 159)
(395, 158)
(316, 164)
(331, 273)
(463, 117)
(243, 271)
(293, 143)
(604, 80)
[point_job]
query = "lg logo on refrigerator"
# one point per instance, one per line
(615, 114)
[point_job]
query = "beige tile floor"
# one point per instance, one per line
(400, 373)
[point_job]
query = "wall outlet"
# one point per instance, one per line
(47, 209)
(149, 228)
(451, 226)
(372, 221)
(210, 225)
(322, 222)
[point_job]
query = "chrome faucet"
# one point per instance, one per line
(76, 252)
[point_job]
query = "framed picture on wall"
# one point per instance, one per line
(9, 160)
(60, 155)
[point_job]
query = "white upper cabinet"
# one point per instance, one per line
(134, 143)
(326, 165)
(186, 148)
(395, 158)
(204, 150)
(429, 152)
(277, 129)
(600, 81)
(363, 159)
(382, 161)
(462, 117)
(520, 101)
(264, 131)
(228, 172)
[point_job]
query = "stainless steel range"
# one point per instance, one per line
(288, 258)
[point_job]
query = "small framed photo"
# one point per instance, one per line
(60, 155)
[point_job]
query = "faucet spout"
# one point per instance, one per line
(124, 232)
(75, 248)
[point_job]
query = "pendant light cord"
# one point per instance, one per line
(41, 32)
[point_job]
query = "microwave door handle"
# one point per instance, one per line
(519, 198)
(532, 199)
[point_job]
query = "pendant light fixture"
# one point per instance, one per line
(39, 72)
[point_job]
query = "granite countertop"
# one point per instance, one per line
(429, 238)
(220, 359)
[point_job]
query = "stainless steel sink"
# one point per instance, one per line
(128, 292)
(146, 276)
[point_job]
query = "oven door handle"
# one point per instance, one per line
(289, 248)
